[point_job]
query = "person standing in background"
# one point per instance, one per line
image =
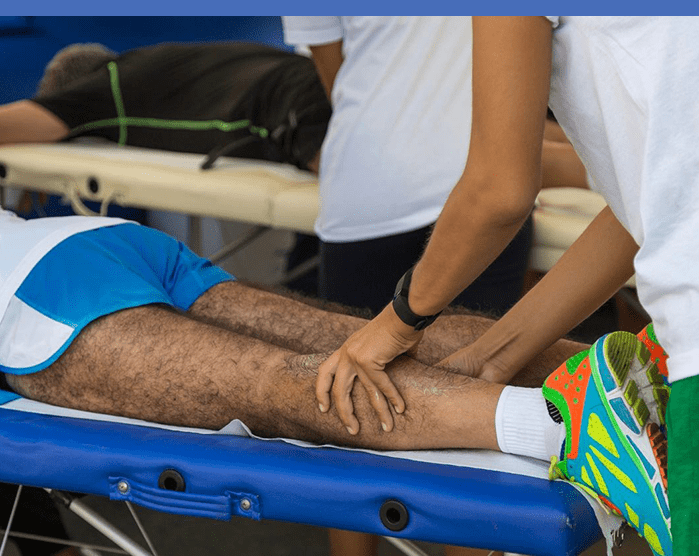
(398, 139)
(396, 144)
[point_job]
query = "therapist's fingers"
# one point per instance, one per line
(385, 384)
(342, 396)
(324, 382)
(381, 390)
(366, 351)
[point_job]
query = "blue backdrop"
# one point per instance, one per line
(27, 44)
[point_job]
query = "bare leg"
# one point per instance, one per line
(280, 320)
(158, 365)
(450, 550)
(351, 543)
(305, 328)
(291, 323)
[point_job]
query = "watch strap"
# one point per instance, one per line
(402, 307)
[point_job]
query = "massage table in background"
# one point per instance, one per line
(266, 194)
(470, 498)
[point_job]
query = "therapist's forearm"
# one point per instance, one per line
(561, 166)
(475, 226)
(495, 194)
(327, 58)
(588, 274)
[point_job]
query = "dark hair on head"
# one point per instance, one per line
(72, 63)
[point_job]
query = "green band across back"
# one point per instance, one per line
(122, 121)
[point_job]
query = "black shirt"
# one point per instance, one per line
(276, 90)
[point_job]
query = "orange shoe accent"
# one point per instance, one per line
(571, 383)
(611, 506)
(658, 443)
(657, 353)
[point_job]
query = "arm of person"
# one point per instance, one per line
(328, 59)
(25, 121)
(511, 73)
(323, 36)
(560, 164)
(554, 132)
(589, 273)
(561, 167)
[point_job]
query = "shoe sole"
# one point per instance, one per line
(620, 363)
(658, 378)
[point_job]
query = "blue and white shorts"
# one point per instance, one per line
(92, 274)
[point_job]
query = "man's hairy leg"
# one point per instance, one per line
(296, 324)
(155, 364)
(291, 321)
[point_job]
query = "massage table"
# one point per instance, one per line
(465, 497)
(266, 194)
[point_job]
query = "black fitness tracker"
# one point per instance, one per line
(402, 308)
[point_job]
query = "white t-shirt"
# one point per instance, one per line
(398, 137)
(24, 242)
(624, 89)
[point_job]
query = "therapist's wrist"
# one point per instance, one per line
(402, 308)
(426, 296)
(398, 328)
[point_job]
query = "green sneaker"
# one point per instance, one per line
(612, 446)
(657, 373)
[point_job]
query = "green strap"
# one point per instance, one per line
(122, 121)
(172, 124)
(118, 102)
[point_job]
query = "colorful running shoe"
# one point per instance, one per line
(613, 446)
(657, 373)
(657, 353)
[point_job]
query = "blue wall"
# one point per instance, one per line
(25, 51)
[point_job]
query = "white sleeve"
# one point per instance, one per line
(311, 30)
(554, 19)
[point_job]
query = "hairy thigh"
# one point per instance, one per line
(156, 364)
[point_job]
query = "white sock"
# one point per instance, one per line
(524, 427)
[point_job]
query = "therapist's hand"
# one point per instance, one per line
(467, 361)
(364, 356)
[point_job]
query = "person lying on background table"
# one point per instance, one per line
(255, 100)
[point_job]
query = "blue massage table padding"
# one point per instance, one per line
(228, 475)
